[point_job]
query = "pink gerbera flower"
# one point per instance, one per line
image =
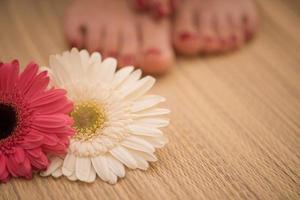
(34, 121)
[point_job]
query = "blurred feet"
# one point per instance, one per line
(213, 26)
(115, 29)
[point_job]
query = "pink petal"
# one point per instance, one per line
(19, 155)
(50, 140)
(38, 163)
(2, 163)
(35, 153)
(48, 105)
(4, 176)
(12, 166)
(9, 75)
(32, 140)
(27, 77)
(39, 84)
(48, 97)
(24, 169)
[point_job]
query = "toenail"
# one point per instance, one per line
(223, 42)
(162, 11)
(141, 3)
(248, 34)
(153, 51)
(208, 39)
(112, 54)
(186, 36)
(233, 39)
(128, 59)
(74, 44)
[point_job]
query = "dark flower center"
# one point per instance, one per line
(8, 120)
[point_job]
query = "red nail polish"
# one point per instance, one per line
(141, 4)
(223, 42)
(74, 44)
(248, 34)
(153, 51)
(233, 39)
(128, 60)
(186, 36)
(113, 54)
(208, 39)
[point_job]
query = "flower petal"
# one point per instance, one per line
(68, 167)
(124, 156)
(83, 167)
(101, 167)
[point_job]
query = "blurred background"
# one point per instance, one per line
(235, 131)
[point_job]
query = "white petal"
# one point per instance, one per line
(124, 156)
(83, 167)
(144, 130)
(95, 57)
(131, 80)
(57, 173)
(152, 112)
(147, 156)
(92, 176)
(155, 122)
(107, 70)
(115, 166)
(72, 177)
(146, 103)
(55, 163)
(84, 55)
(68, 167)
(101, 167)
(121, 75)
(140, 160)
(157, 142)
(138, 144)
(139, 88)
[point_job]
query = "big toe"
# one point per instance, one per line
(156, 55)
(185, 36)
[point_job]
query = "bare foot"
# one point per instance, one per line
(212, 26)
(159, 8)
(112, 28)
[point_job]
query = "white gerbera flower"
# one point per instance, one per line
(115, 123)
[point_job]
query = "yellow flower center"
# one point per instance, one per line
(89, 118)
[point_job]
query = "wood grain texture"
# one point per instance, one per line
(235, 131)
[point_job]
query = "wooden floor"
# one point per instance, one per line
(235, 131)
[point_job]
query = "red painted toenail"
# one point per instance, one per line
(186, 36)
(174, 4)
(74, 44)
(233, 39)
(248, 34)
(223, 42)
(162, 11)
(208, 39)
(141, 3)
(112, 54)
(128, 59)
(153, 51)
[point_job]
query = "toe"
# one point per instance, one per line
(209, 41)
(73, 29)
(162, 8)
(157, 55)
(237, 33)
(93, 37)
(224, 29)
(185, 35)
(129, 47)
(111, 43)
(250, 20)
